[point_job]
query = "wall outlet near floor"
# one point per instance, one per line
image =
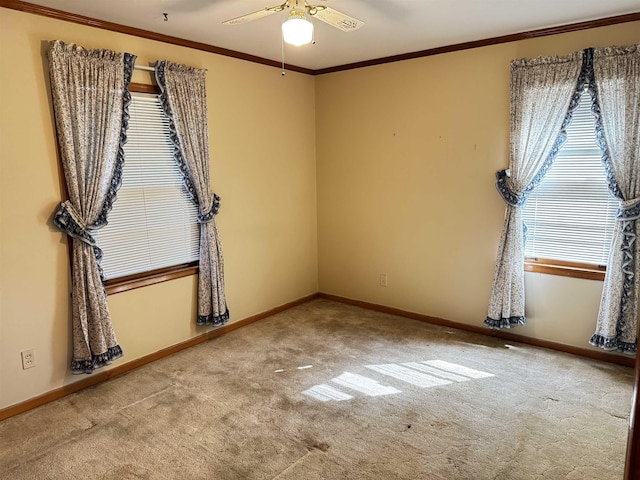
(383, 279)
(28, 359)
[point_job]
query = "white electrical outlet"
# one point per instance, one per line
(383, 279)
(28, 359)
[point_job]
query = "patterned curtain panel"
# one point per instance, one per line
(542, 90)
(90, 98)
(185, 103)
(617, 82)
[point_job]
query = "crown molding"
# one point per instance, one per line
(138, 32)
(514, 37)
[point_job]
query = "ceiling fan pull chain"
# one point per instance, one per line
(282, 46)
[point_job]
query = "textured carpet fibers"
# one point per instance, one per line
(329, 391)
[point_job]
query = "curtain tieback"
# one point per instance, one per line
(507, 194)
(629, 210)
(70, 222)
(213, 211)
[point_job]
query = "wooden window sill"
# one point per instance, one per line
(565, 269)
(118, 285)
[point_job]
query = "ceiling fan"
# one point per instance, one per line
(297, 29)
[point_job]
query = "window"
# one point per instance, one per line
(153, 223)
(570, 216)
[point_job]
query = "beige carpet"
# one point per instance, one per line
(329, 391)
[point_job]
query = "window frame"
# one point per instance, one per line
(143, 279)
(565, 268)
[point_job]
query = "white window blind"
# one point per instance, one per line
(571, 214)
(153, 223)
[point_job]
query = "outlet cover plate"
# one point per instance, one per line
(28, 359)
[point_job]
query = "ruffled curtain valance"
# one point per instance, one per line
(612, 76)
(541, 94)
(90, 100)
(185, 102)
(616, 83)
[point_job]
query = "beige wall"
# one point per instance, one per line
(263, 167)
(406, 158)
(406, 154)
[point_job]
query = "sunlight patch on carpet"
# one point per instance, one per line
(324, 393)
(437, 372)
(425, 374)
(365, 385)
(459, 369)
(409, 375)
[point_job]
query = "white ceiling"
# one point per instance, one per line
(391, 27)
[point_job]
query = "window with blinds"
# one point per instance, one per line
(570, 216)
(153, 223)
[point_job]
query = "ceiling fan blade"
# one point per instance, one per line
(265, 12)
(338, 19)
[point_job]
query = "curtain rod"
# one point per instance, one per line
(142, 67)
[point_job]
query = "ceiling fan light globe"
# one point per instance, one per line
(297, 29)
